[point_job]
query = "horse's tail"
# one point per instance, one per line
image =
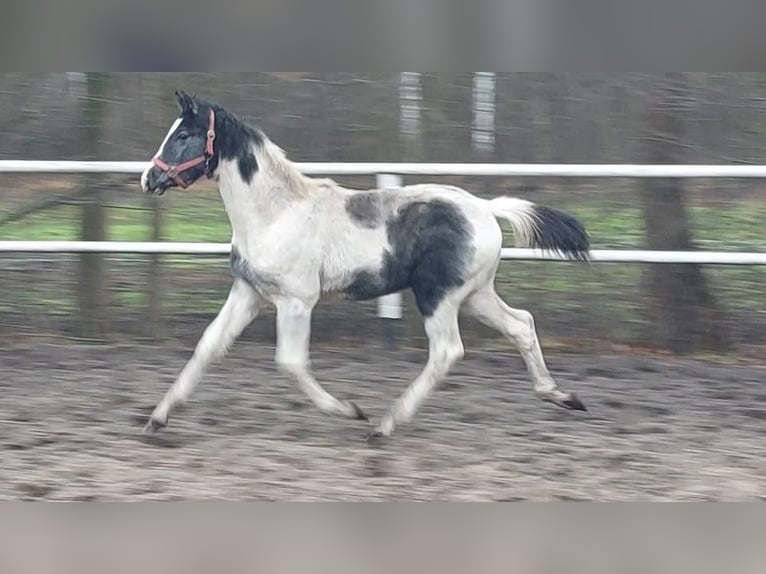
(542, 227)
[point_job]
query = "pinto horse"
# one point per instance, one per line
(296, 239)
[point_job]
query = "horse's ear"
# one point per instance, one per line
(181, 98)
(186, 103)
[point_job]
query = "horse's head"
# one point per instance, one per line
(186, 152)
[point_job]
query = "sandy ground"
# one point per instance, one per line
(71, 416)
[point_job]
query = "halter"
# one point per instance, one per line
(174, 171)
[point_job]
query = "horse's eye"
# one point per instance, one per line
(183, 136)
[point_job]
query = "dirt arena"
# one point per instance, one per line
(71, 418)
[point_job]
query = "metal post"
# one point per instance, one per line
(390, 306)
(483, 129)
(410, 96)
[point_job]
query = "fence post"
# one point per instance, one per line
(92, 278)
(390, 306)
(155, 324)
(92, 275)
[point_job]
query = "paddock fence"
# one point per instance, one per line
(390, 175)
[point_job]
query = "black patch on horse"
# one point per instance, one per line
(431, 245)
(365, 209)
(233, 141)
(233, 138)
(247, 165)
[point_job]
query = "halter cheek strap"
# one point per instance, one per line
(174, 171)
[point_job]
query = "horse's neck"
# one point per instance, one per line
(250, 206)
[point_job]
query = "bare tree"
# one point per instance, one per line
(92, 289)
(683, 313)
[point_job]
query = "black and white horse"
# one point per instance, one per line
(295, 239)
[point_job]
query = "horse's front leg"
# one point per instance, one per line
(293, 335)
(241, 307)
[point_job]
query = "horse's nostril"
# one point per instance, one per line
(154, 177)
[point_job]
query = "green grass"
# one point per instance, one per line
(202, 218)
(205, 223)
(604, 294)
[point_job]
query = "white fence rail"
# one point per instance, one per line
(178, 248)
(389, 175)
(434, 169)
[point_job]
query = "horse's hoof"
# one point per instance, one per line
(358, 413)
(573, 403)
(563, 399)
(153, 426)
(375, 437)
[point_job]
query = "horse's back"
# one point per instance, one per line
(434, 235)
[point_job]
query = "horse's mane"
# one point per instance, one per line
(276, 159)
(298, 184)
(269, 155)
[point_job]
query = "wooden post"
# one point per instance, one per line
(152, 93)
(155, 323)
(92, 288)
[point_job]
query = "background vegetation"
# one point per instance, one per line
(561, 118)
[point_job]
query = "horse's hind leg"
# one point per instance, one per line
(445, 348)
(519, 327)
(293, 335)
(241, 307)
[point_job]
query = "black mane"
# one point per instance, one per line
(234, 138)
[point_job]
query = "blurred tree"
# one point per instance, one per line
(355, 116)
(446, 116)
(683, 313)
(92, 289)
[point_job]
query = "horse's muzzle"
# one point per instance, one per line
(156, 181)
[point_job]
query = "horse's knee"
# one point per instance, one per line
(210, 349)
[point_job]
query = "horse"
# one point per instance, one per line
(296, 239)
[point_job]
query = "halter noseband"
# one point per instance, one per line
(174, 171)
